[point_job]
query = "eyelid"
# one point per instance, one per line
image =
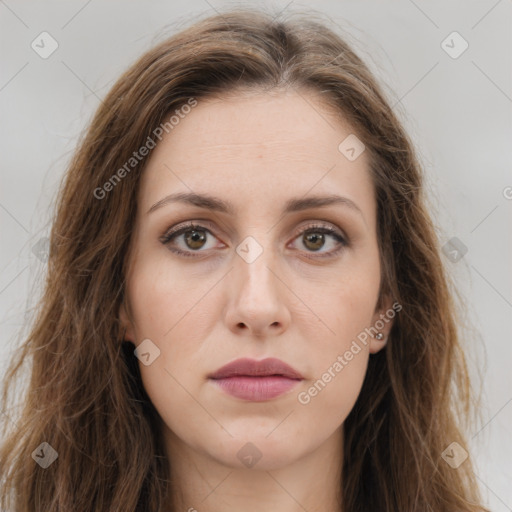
(213, 227)
(319, 224)
(189, 224)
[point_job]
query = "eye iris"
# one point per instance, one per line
(195, 237)
(316, 238)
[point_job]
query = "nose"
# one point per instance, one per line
(258, 297)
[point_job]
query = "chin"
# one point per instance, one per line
(257, 449)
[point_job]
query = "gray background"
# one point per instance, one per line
(457, 110)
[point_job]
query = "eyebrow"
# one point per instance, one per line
(219, 205)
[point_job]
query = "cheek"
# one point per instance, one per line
(333, 394)
(340, 351)
(339, 354)
(163, 299)
(343, 305)
(177, 314)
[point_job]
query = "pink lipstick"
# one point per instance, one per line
(256, 381)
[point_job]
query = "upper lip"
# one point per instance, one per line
(254, 368)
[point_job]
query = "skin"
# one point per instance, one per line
(214, 307)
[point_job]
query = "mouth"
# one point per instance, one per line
(252, 380)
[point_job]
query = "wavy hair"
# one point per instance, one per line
(85, 396)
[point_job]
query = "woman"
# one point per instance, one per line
(245, 306)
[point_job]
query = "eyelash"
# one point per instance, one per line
(170, 235)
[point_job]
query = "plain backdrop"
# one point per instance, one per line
(456, 106)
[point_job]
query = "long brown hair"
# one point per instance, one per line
(85, 397)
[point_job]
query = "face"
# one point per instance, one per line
(257, 272)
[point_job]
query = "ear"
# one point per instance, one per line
(382, 322)
(126, 323)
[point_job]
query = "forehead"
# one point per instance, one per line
(298, 123)
(258, 147)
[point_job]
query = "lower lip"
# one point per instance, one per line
(256, 389)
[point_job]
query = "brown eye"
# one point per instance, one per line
(195, 238)
(313, 241)
(189, 240)
(324, 240)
